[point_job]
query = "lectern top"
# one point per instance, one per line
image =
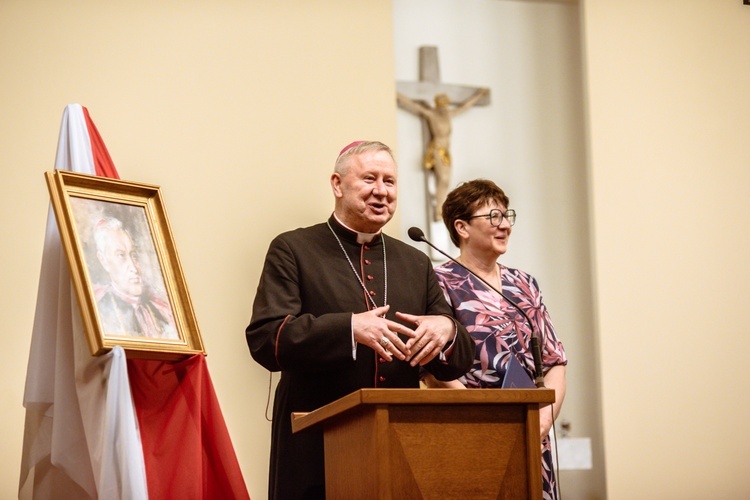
(362, 397)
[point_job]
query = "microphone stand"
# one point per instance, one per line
(417, 234)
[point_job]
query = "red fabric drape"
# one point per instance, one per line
(186, 446)
(102, 161)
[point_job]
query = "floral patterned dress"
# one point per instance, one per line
(500, 330)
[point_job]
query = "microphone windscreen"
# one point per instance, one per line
(416, 234)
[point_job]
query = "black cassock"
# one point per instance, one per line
(301, 326)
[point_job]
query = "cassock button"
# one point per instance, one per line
(369, 277)
(381, 378)
(367, 262)
(366, 247)
(372, 293)
(381, 360)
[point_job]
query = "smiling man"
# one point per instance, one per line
(341, 306)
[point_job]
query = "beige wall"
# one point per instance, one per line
(669, 115)
(222, 105)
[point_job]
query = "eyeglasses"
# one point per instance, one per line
(496, 216)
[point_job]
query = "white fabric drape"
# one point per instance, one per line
(81, 437)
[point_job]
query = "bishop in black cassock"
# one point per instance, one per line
(317, 282)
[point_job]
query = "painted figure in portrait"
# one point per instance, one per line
(124, 269)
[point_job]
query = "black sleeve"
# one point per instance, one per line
(281, 336)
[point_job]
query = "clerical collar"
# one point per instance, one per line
(351, 264)
(362, 238)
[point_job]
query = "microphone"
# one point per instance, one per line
(417, 235)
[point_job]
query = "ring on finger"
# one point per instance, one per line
(384, 342)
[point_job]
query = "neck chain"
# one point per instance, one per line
(351, 265)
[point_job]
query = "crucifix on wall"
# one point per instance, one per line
(449, 101)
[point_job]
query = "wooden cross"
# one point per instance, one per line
(423, 92)
(429, 84)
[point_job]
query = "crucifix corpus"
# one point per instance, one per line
(449, 100)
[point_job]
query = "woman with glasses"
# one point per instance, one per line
(501, 307)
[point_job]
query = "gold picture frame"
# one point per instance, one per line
(124, 266)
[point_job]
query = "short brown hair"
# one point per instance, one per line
(461, 203)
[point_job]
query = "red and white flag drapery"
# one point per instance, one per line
(80, 435)
(88, 432)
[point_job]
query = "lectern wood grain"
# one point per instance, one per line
(432, 444)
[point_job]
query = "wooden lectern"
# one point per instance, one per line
(431, 443)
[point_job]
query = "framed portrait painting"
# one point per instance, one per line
(124, 266)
